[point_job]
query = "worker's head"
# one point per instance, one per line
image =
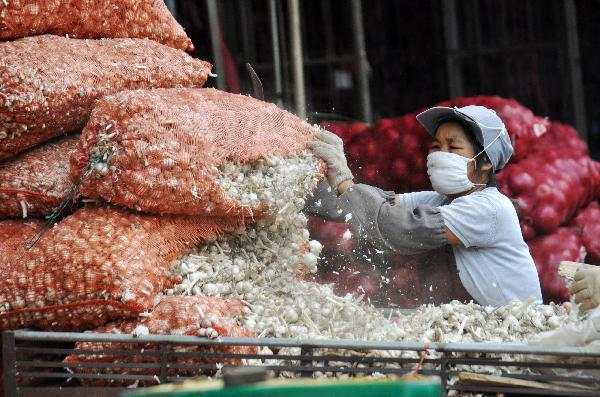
(453, 136)
(469, 145)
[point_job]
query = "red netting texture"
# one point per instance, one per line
(92, 19)
(159, 149)
(50, 84)
(181, 315)
(35, 182)
(14, 235)
(98, 264)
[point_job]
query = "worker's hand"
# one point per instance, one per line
(586, 288)
(330, 148)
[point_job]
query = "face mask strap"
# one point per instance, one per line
(502, 130)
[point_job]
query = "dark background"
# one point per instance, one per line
(511, 48)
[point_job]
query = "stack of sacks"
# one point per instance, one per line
(553, 183)
(204, 162)
(48, 88)
(184, 165)
(104, 263)
(50, 84)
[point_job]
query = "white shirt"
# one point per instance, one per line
(493, 261)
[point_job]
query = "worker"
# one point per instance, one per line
(586, 288)
(466, 210)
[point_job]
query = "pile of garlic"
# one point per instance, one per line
(456, 322)
(280, 182)
(265, 264)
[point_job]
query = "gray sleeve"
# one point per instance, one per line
(377, 218)
(414, 199)
(325, 204)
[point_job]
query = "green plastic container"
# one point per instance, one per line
(412, 387)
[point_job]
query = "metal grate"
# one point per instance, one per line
(33, 362)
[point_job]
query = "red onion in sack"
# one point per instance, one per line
(346, 131)
(549, 187)
(391, 155)
(588, 220)
(562, 136)
(548, 252)
(524, 128)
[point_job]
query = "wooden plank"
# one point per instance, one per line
(470, 378)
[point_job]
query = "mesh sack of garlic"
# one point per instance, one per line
(14, 236)
(50, 84)
(181, 315)
(93, 20)
(96, 265)
(171, 151)
(35, 182)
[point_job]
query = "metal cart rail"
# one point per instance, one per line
(32, 362)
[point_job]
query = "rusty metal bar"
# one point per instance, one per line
(276, 53)
(215, 41)
(360, 51)
(9, 369)
(305, 363)
(297, 58)
(575, 68)
(453, 60)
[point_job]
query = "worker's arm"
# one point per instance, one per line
(376, 217)
(450, 236)
(373, 213)
(324, 203)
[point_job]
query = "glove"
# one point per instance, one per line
(586, 288)
(330, 148)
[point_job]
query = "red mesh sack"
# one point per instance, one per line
(49, 84)
(156, 151)
(346, 131)
(549, 187)
(588, 220)
(562, 136)
(548, 252)
(182, 315)
(97, 264)
(392, 154)
(35, 182)
(14, 236)
(524, 128)
(87, 19)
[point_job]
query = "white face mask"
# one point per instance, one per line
(448, 172)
